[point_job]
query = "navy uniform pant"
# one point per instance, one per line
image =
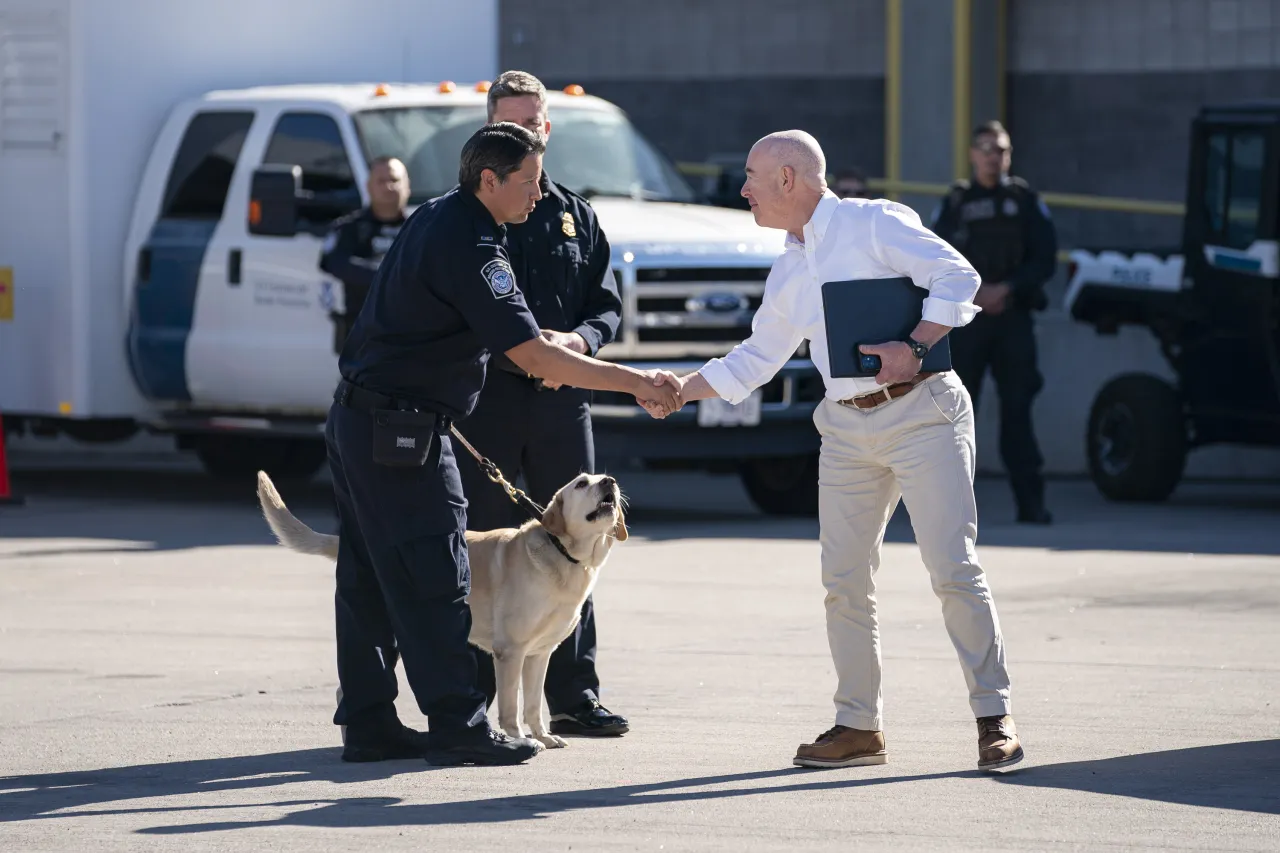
(402, 578)
(1005, 344)
(546, 437)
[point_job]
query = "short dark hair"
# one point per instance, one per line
(853, 173)
(515, 83)
(992, 128)
(499, 147)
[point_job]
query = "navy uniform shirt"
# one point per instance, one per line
(353, 250)
(561, 259)
(444, 298)
(1005, 232)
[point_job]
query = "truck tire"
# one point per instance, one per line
(240, 457)
(1137, 439)
(784, 485)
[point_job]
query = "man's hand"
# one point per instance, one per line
(992, 298)
(570, 341)
(663, 397)
(897, 362)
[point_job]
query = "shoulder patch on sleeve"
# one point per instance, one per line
(1044, 208)
(330, 241)
(500, 277)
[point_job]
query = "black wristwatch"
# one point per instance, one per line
(920, 350)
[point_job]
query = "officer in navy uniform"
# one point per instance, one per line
(356, 243)
(530, 427)
(1003, 228)
(444, 298)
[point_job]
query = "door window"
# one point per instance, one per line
(201, 172)
(314, 142)
(1233, 186)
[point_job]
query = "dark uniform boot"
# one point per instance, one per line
(383, 741)
(495, 749)
(1028, 494)
(590, 719)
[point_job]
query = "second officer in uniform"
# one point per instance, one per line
(535, 428)
(1002, 227)
(444, 299)
(356, 243)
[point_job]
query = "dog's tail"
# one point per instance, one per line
(291, 532)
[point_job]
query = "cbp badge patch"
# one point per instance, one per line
(502, 281)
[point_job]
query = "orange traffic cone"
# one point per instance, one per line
(6, 495)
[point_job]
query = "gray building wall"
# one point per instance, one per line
(707, 77)
(1101, 94)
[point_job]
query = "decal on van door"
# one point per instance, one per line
(169, 263)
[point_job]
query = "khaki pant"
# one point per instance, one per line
(919, 448)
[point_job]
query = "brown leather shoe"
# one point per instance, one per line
(998, 744)
(842, 746)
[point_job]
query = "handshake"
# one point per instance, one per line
(660, 392)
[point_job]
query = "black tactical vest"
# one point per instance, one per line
(990, 226)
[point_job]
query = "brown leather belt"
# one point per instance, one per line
(887, 393)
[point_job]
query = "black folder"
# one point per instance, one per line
(873, 311)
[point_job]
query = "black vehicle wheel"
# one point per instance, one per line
(785, 486)
(240, 457)
(1137, 439)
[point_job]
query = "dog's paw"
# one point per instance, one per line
(551, 741)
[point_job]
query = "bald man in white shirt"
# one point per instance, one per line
(900, 435)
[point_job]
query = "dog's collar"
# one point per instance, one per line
(560, 546)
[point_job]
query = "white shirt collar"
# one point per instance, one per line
(816, 228)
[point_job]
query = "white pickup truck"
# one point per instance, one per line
(205, 321)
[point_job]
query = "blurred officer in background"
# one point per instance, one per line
(1003, 228)
(542, 429)
(851, 183)
(357, 242)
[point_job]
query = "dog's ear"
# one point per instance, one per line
(553, 518)
(620, 529)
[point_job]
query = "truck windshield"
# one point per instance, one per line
(592, 152)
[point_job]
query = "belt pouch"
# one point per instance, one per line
(402, 439)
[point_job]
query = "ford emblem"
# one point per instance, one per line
(724, 302)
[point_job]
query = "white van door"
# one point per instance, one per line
(270, 342)
(180, 268)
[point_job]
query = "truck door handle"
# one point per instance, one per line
(144, 265)
(233, 267)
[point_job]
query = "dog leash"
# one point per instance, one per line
(518, 497)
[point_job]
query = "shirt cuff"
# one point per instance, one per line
(947, 313)
(723, 382)
(591, 336)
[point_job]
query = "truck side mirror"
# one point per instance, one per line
(273, 200)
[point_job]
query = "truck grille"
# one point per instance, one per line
(702, 274)
(686, 312)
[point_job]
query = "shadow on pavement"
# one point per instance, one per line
(1240, 776)
(79, 794)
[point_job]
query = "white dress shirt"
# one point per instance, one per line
(845, 239)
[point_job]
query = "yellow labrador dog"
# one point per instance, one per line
(526, 595)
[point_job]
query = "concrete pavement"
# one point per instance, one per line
(168, 682)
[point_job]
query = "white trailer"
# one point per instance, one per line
(85, 89)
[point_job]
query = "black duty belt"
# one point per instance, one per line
(363, 400)
(512, 370)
